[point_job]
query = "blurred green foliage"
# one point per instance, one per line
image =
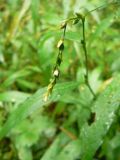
(71, 125)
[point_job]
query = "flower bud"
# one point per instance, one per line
(63, 25)
(79, 15)
(56, 73)
(60, 44)
(75, 21)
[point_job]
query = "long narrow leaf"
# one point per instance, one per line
(105, 108)
(34, 102)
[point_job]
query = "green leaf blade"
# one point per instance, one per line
(33, 103)
(104, 108)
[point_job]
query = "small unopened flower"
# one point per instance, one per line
(56, 73)
(49, 89)
(60, 44)
(63, 25)
(75, 21)
(79, 15)
(46, 95)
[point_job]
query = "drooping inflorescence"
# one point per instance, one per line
(56, 70)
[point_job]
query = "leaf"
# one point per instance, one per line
(70, 151)
(13, 96)
(34, 102)
(25, 153)
(35, 12)
(101, 27)
(27, 136)
(16, 21)
(60, 141)
(73, 36)
(14, 76)
(105, 107)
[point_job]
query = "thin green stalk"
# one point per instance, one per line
(83, 42)
(103, 6)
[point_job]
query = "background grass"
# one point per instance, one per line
(71, 124)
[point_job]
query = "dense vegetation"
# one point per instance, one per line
(59, 96)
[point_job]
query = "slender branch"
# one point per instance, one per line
(83, 42)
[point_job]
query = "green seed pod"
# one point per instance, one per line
(59, 60)
(56, 73)
(60, 44)
(75, 21)
(79, 15)
(63, 25)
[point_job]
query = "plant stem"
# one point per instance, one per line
(83, 42)
(103, 6)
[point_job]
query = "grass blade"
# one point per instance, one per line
(34, 102)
